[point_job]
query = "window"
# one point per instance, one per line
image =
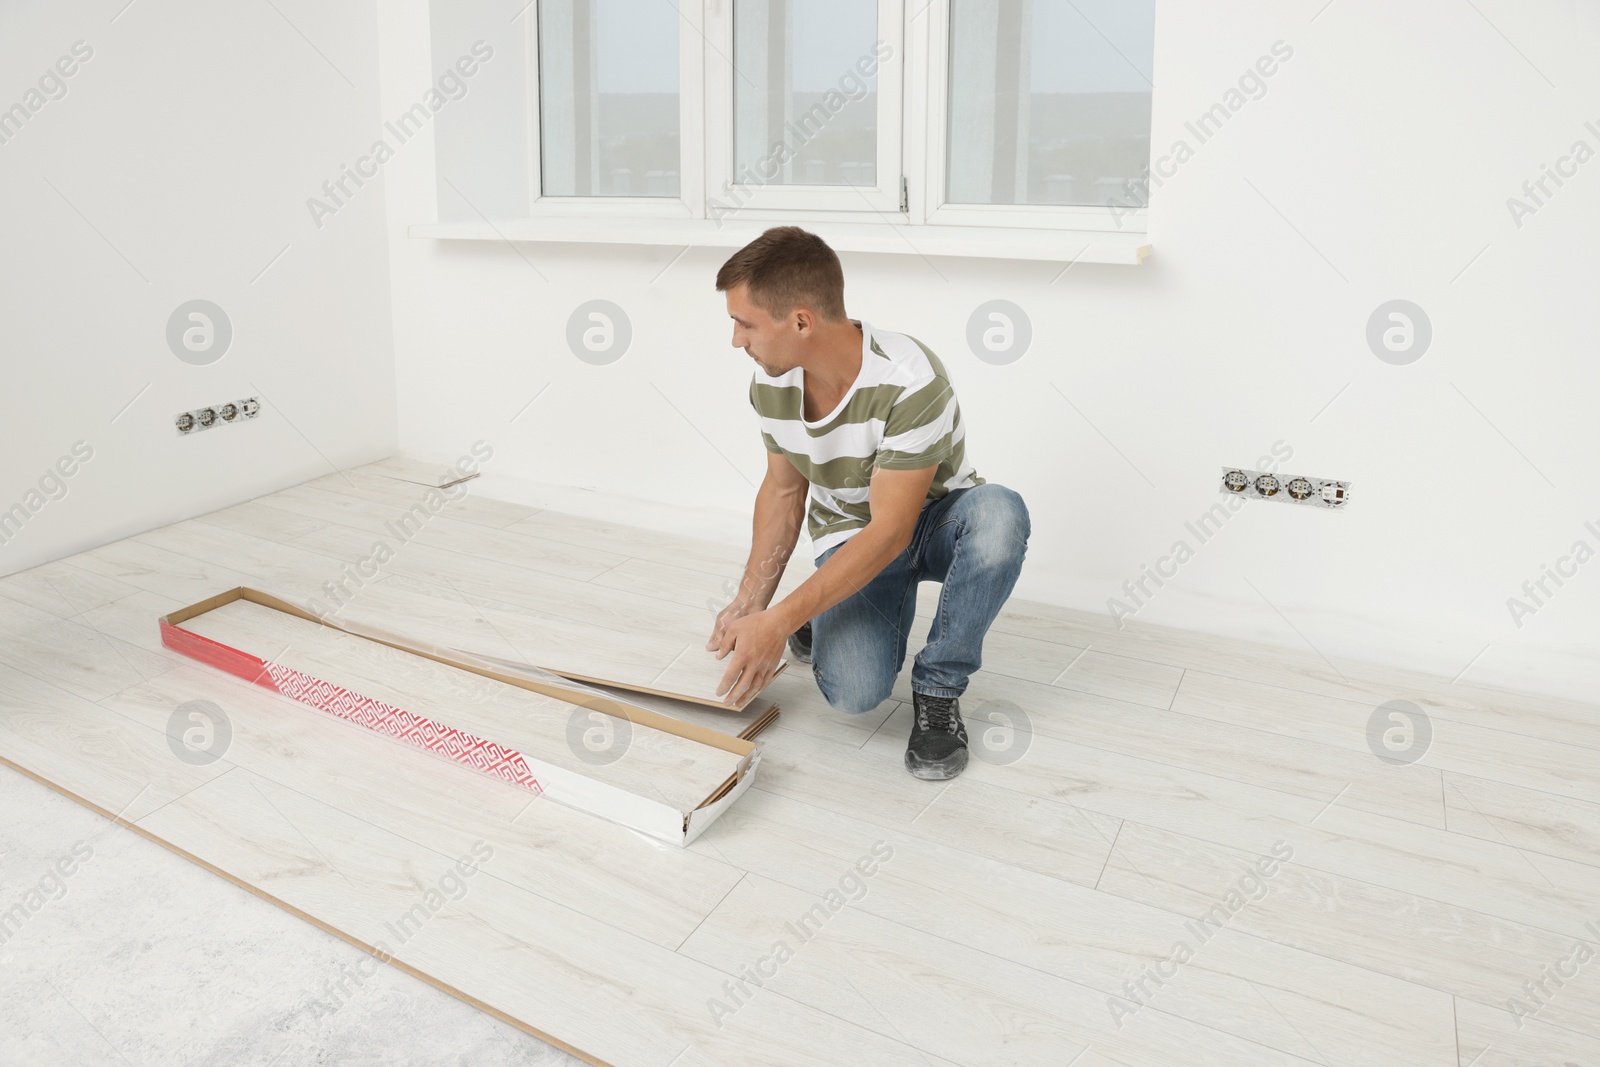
(979, 123)
(1049, 103)
(608, 98)
(788, 60)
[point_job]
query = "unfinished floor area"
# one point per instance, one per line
(1168, 849)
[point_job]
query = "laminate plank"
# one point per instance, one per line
(1467, 953)
(1493, 1037)
(619, 998)
(79, 658)
(288, 570)
(659, 659)
(76, 745)
(392, 517)
(588, 864)
(62, 589)
(466, 500)
(156, 570)
(1303, 671)
(977, 1009)
(1501, 754)
(806, 711)
(1021, 657)
(404, 468)
(352, 542)
(136, 619)
(1523, 818)
(403, 512)
(513, 549)
(1075, 670)
(1056, 839)
(1547, 892)
(732, 723)
(1086, 937)
(693, 587)
(637, 543)
(565, 598)
(651, 763)
(261, 520)
(995, 703)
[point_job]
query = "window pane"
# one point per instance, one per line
(608, 97)
(1049, 102)
(805, 92)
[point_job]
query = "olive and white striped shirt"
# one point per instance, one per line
(900, 414)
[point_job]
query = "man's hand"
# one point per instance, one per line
(756, 641)
(736, 610)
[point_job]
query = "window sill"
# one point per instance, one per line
(1060, 246)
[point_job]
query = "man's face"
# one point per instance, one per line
(774, 344)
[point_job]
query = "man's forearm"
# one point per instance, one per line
(847, 571)
(774, 532)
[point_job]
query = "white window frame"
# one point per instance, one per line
(936, 209)
(884, 196)
(912, 135)
(690, 203)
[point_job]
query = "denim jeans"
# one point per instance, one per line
(973, 541)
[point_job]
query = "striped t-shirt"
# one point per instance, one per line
(900, 414)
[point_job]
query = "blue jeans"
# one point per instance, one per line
(973, 541)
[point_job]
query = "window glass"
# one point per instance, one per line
(805, 91)
(1049, 101)
(608, 98)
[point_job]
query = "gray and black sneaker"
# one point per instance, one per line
(938, 745)
(800, 644)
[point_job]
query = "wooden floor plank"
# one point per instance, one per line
(62, 589)
(1253, 754)
(1527, 819)
(1467, 953)
(597, 867)
(74, 744)
(684, 552)
(466, 500)
(661, 659)
(1504, 753)
(79, 658)
(262, 520)
(1546, 892)
(1080, 935)
(399, 523)
(1491, 1036)
(509, 949)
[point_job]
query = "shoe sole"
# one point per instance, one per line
(937, 770)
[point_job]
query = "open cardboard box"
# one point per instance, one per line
(525, 769)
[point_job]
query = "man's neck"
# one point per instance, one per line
(838, 362)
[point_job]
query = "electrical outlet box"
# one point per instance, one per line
(1291, 488)
(230, 411)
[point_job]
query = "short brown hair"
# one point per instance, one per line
(786, 268)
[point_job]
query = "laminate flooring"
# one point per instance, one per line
(1168, 848)
(653, 764)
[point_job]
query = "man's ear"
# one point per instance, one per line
(804, 321)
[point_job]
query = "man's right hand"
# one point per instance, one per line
(733, 612)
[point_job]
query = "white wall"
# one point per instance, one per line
(177, 166)
(1376, 166)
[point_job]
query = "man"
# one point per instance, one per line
(865, 440)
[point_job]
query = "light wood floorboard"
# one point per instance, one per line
(1030, 908)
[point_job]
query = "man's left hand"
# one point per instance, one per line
(756, 643)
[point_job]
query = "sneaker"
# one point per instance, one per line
(800, 644)
(938, 745)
